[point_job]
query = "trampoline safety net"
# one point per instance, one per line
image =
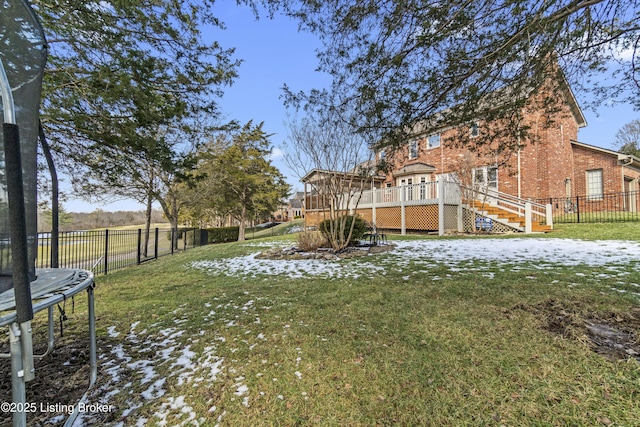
(23, 56)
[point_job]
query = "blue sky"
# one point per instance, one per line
(275, 53)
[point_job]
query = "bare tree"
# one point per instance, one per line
(337, 163)
(628, 138)
(474, 191)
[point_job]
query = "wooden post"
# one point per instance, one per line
(441, 207)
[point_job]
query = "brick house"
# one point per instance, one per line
(291, 209)
(547, 167)
(551, 164)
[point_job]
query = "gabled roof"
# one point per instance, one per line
(319, 174)
(414, 168)
(624, 159)
(494, 100)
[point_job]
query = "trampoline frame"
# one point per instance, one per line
(80, 280)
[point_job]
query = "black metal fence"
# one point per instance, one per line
(102, 251)
(611, 207)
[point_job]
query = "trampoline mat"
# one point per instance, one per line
(48, 282)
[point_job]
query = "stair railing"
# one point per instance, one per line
(527, 209)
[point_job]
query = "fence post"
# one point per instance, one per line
(204, 236)
(549, 215)
(155, 245)
(527, 218)
(578, 208)
(139, 245)
(106, 250)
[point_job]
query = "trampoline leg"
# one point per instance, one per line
(93, 376)
(50, 336)
(92, 337)
(18, 389)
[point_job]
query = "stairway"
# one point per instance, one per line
(509, 218)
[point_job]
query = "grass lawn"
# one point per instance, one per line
(442, 332)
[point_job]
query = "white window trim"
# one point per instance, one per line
(591, 194)
(429, 146)
(417, 149)
(485, 176)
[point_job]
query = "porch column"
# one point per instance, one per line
(374, 194)
(441, 207)
(403, 218)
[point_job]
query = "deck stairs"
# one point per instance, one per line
(508, 214)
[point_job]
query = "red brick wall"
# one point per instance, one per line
(546, 159)
(612, 173)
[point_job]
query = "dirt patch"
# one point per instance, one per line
(62, 377)
(615, 335)
(293, 253)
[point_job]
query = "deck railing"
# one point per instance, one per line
(437, 193)
(425, 193)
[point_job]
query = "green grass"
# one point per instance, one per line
(444, 347)
(600, 231)
(278, 230)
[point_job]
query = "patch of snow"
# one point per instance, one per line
(542, 253)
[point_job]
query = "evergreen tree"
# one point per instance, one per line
(240, 179)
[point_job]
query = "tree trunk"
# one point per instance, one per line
(147, 228)
(243, 217)
(174, 221)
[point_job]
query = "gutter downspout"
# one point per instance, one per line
(519, 169)
(630, 160)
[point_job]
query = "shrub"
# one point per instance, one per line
(223, 235)
(359, 230)
(310, 241)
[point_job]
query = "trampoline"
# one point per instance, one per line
(52, 287)
(25, 291)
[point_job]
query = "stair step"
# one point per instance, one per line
(506, 216)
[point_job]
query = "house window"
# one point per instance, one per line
(433, 140)
(486, 177)
(594, 184)
(474, 129)
(413, 149)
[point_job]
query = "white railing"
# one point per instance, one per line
(525, 208)
(446, 193)
(425, 193)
